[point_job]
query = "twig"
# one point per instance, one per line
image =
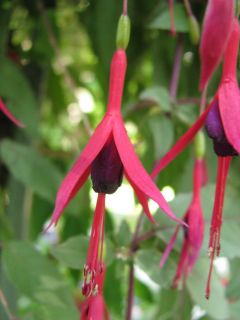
(66, 74)
(148, 235)
(147, 103)
(185, 101)
(176, 70)
(4, 303)
(130, 292)
(56, 154)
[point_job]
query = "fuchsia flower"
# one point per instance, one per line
(222, 118)
(8, 114)
(109, 153)
(193, 235)
(217, 27)
(227, 97)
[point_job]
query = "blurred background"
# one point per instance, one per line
(54, 70)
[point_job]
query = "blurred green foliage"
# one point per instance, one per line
(54, 65)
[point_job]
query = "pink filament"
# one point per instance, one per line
(216, 222)
(96, 232)
(94, 268)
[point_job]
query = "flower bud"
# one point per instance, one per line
(199, 145)
(194, 30)
(238, 8)
(123, 32)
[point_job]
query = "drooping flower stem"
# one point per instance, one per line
(172, 18)
(125, 7)
(188, 7)
(216, 222)
(176, 69)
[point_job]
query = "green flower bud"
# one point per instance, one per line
(123, 32)
(194, 30)
(199, 145)
(237, 8)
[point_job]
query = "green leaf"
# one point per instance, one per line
(113, 289)
(148, 260)
(235, 310)
(124, 235)
(142, 291)
(162, 20)
(186, 114)
(159, 95)
(38, 279)
(5, 14)
(174, 304)
(163, 134)
(72, 253)
(18, 94)
(32, 169)
(233, 288)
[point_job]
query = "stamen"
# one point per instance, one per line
(211, 254)
(216, 222)
(94, 265)
(89, 281)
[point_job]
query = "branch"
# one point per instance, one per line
(130, 296)
(4, 303)
(125, 7)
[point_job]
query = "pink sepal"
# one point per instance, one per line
(81, 169)
(136, 171)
